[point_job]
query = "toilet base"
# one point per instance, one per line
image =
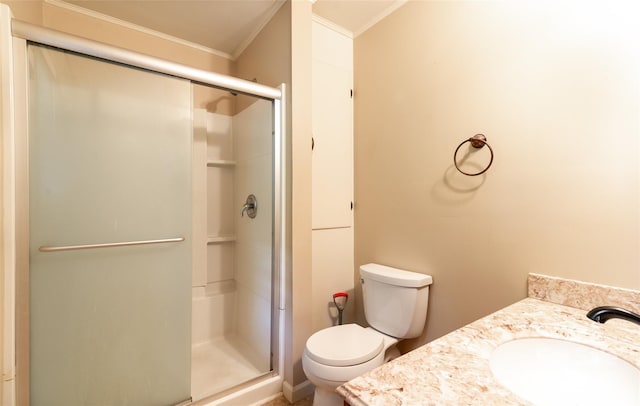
(327, 397)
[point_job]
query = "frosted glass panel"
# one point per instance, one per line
(109, 161)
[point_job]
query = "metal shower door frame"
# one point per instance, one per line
(14, 36)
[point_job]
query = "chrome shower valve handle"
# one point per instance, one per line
(250, 207)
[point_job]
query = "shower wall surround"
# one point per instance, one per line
(232, 270)
(214, 248)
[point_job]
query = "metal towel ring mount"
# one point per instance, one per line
(477, 141)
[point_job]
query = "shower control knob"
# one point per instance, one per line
(250, 207)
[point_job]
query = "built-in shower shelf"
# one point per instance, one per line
(220, 163)
(219, 239)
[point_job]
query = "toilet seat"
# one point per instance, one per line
(344, 345)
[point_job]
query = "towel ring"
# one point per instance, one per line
(477, 141)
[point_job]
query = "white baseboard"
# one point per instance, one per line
(299, 392)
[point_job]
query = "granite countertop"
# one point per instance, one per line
(454, 369)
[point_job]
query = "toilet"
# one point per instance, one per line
(395, 307)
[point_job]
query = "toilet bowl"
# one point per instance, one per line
(335, 355)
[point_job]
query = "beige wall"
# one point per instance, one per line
(268, 58)
(29, 11)
(300, 186)
(555, 88)
(4, 128)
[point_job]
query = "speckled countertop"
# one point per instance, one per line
(454, 369)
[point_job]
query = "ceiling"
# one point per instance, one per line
(228, 26)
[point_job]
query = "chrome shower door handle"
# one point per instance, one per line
(250, 207)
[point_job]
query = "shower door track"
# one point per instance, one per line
(61, 40)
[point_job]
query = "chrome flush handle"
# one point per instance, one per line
(250, 207)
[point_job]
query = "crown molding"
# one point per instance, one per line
(332, 26)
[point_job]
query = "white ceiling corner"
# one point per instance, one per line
(356, 16)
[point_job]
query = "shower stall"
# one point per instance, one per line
(232, 282)
(148, 227)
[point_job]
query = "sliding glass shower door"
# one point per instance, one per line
(110, 233)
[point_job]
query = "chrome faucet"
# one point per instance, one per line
(604, 313)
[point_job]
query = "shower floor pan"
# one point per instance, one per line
(220, 364)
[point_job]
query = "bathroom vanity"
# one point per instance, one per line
(459, 368)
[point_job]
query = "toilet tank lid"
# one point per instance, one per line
(394, 276)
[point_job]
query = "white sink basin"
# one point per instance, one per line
(548, 371)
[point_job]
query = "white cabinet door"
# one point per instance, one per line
(332, 126)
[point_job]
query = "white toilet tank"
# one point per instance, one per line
(395, 300)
